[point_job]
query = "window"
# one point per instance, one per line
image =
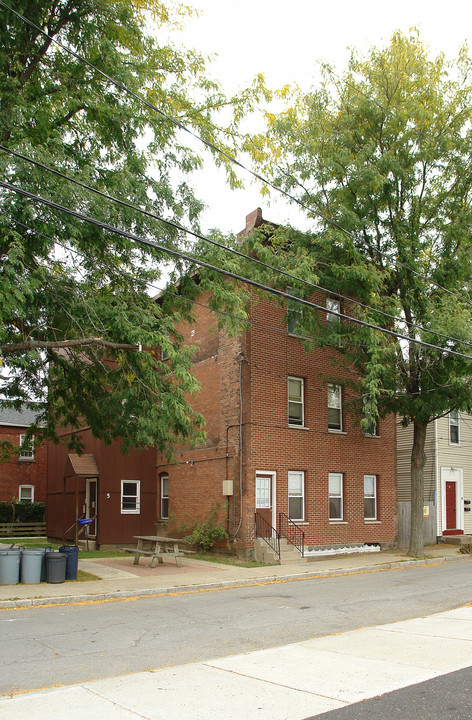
(295, 401)
(296, 500)
(294, 314)
(332, 306)
(371, 428)
(454, 427)
(334, 407)
(130, 497)
(164, 497)
(263, 491)
(26, 493)
(335, 496)
(370, 497)
(27, 447)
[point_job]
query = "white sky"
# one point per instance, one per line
(286, 40)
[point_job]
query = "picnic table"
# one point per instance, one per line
(157, 548)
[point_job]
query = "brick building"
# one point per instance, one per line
(279, 442)
(23, 477)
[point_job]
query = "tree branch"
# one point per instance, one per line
(12, 348)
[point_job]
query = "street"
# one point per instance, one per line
(65, 644)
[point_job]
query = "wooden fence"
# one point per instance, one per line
(22, 529)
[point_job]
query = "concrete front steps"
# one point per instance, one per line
(457, 539)
(289, 555)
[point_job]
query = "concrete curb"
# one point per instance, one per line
(182, 589)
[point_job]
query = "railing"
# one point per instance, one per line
(22, 529)
(289, 530)
(266, 532)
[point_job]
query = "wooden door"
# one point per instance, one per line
(264, 498)
(91, 505)
(451, 510)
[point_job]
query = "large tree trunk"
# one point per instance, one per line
(418, 460)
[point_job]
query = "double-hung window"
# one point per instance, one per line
(26, 493)
(454, 428)
(370, 427)
(335, 419)
(333, 306)
(130, 497)
(164, 497)
(26, 447)
(335, 496)
(294, 314)
(370, 497)
(296, 410)
(296, 495)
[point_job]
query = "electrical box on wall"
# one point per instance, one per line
(227, 487)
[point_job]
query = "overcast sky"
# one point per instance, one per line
(286, 41)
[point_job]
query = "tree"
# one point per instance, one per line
(381, 158)
(79, 331)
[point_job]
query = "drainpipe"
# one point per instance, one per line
(241, 359)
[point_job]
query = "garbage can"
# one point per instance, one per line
(55, 567)
(9, 566)
(31, 565)
(43, 551)
(72, 563)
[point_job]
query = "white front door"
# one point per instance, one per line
(91, 505)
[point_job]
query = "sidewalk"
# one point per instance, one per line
(120, 578)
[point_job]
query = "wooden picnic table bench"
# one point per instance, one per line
(157, 548)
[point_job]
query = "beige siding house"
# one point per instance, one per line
(448, 478)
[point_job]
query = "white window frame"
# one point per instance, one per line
(373, 429)
(136, 510)
(370, 496)
(301, 402)
(164, 496)
(455, 422)
(332, 305)
(297, 494)
(28, 454)
(335, 496)
(26, 487)
(335, 394)
(294, 314)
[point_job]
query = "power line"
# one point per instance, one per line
(249, 321)
(226, 273)
(223, 153)
(234, 251)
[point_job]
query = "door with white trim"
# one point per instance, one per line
(91, 505)
(265, 496)
(452, 501)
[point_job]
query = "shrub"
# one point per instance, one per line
(206, 534)
(22, 512)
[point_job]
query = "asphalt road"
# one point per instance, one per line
(448, 697)
(47, 646)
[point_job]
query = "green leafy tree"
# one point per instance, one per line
(381, 160)
(76, 319)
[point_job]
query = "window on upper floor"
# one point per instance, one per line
(371, 428)
(296, 495)
(26, 493)
(296, 410)
(130, 497)
(370, 497)
(294, 314)
(454, 427)
(335, 496)
(26, 447)
(333, 305)
(335, 415)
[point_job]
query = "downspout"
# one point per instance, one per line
(241, 359)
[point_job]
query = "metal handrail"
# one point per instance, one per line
(291, 532)
(266, 532)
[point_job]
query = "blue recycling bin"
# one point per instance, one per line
(72, 560)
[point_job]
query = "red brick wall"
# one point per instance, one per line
(269, 444)
(22, 472)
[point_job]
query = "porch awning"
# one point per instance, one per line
(81, 465)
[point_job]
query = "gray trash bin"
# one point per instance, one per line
(31, 565)
(55, 567)
(9, 567)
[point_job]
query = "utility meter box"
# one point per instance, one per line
(227, 487)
